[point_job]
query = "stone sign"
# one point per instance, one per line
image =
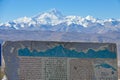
(45, 60)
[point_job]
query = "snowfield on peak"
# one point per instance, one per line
(54, 20)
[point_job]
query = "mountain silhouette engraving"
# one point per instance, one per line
(60, 51)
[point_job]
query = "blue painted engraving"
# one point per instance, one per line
(105, 65)
(60, 51)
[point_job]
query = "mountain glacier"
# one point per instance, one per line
(54, 20)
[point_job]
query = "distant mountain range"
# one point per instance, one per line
(54, 26)
(54, 20)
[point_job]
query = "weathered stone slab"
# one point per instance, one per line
(44, 60)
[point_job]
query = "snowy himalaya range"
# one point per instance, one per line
(53, 20)
(54, 26)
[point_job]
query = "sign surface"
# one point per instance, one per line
(38, 60)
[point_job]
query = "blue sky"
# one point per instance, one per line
(13, 9)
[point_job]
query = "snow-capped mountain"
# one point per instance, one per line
(54, 20)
